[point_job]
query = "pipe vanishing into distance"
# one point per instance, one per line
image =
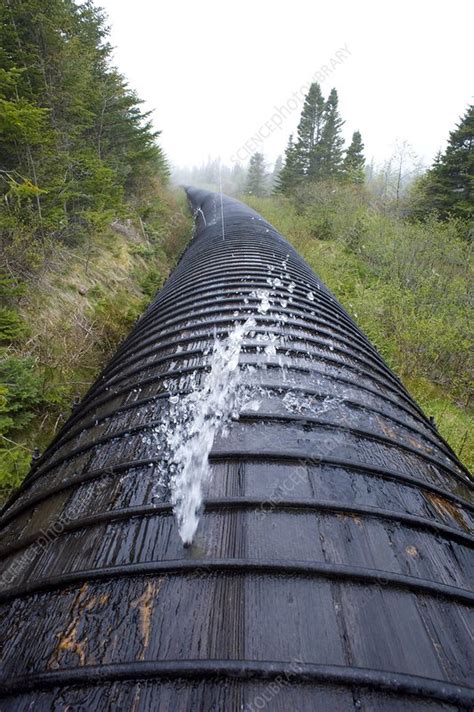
(328, 525)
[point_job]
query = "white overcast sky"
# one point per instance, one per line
(213, 71)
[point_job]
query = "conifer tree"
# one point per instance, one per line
(290, 174)
(331, 143)
(256, 175)
(354, 161)
(278, 165)
(82, 139)
(309, 131)
(448, 187)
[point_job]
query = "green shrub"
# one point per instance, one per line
(21, 395)
(151, 281)
(12, 326)
(14, 465)
(113, 315)
(408, 285)
(21, 391)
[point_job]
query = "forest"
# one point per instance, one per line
(88, 227)
(91, 226)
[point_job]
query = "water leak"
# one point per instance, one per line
(265, 301)
(213, 400)
(194, 421)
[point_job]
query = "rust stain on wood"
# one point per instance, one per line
(67, 640)
(348, 515)
(144, 604)
(448, 509)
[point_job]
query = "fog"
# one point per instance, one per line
(226, 79)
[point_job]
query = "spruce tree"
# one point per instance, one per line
(448, 187)
(256, 175)
(354, 161)
(330, 147)
(81, 139)
(290, 174)
(309, 131)
(277, 167)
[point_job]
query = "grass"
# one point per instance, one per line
(67, 321)
(406, 285)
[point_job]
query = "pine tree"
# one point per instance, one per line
(290, 174)
(331, 143)
(354, 161)
(309, 131)
(448, 187)
(256, 175)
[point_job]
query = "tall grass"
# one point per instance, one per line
(408, 285)
(67, 318)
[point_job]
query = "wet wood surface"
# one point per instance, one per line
(332, 567)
